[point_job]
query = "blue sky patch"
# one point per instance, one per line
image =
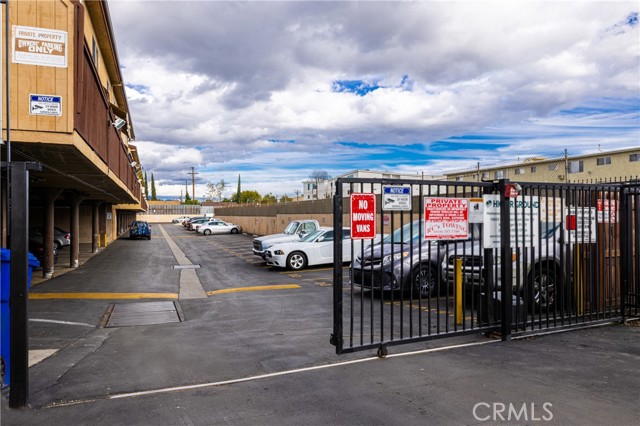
(359, 87)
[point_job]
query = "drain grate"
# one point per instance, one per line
(141, 313)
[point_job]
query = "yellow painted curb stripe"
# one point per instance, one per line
(256, 288)
(41, 296)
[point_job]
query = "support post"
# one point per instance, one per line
(48, 232)
(19, 271)
(75, 231)
(506, 278)
(95, 227)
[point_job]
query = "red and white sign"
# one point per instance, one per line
(446, 218)
(363, 216)
(607, 211)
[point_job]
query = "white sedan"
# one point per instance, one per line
(315, 248)
(218, 226)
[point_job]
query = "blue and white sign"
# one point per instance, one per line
(45, 105)
(396, 198)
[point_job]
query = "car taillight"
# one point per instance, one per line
(67, 237)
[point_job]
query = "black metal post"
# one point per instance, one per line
(336, 338)
(19, 270)
(505, 255)
(625, 248)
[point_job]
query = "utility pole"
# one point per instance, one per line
(193, 182)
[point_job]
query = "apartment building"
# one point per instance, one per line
(68, 111)
(317, 190)
(604, 166)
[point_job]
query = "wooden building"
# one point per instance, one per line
(69, 112)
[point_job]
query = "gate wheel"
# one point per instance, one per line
(383, 351)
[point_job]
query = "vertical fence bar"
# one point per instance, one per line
(506, 267)
(337, 338)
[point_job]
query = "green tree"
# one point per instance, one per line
(146, 185)
(187, 198)
(250, 197)
(238, 191)
(269, 199)
(153, 189)
(286, 199)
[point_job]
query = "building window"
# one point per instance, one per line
(485, 175)
(553, 167)
(458, 178)
(94, 51)
(576, 166)
(519, 170)
(475, 176)
(603, 161)
(500, 174)
(533, 169)
(634, 157)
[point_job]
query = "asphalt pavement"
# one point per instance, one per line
(119, 341)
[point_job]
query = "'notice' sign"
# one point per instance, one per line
(363, 216)
(446, 218)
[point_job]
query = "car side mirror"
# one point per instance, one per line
(321, 239)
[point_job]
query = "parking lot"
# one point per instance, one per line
(255, 350)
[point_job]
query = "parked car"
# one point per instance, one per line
(293, 232)
(140, 229)
(405, 261)
(315, 248)
(37, 249)
(218, 227)
(180, 219)
(540, 271)
(194, 223)
(191, 219)
(61, 238)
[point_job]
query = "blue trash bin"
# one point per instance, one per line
(5, 294)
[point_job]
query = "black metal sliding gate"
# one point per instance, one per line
(435, 259)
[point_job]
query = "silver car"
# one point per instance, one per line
(61, 238)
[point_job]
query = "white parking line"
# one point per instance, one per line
(62, 322)
(284, 373)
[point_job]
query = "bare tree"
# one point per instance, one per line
(215, 190)
(317, 176)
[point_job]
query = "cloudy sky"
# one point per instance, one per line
(271, 91)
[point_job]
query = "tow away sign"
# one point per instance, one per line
(363, 216)
(396, 198)
(446, 218)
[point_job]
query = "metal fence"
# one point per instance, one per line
(437, 259)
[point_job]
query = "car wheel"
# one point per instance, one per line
(296, 261)
(207, 232)
(234, 230)
(544, 285)
(148, 237)
(57, 244)
(424, 281)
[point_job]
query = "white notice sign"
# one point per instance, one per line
(45, 105)
(524, 218)
(396, 198)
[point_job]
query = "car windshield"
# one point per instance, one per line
(410, 231)
(312, 235)
(291, 228)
